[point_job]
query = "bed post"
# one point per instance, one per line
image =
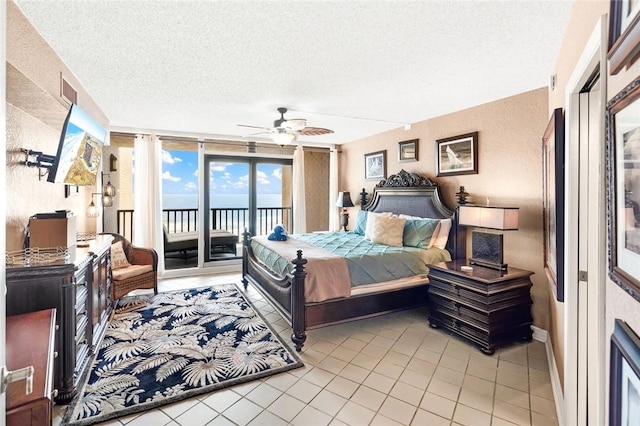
(363, 199)
(246, 238)
(298, 314)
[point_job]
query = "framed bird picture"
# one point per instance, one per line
(457, 155)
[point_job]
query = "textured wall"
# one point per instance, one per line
(35, 114)
(509, 171)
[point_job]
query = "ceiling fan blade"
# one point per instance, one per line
(314, 131)
(254, 127)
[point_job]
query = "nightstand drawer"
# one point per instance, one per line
(492, 320)
(462, 293)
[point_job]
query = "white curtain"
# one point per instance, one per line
(334, 223)
(147, 202)
(299, 211)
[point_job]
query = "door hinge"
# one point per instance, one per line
(582, 276)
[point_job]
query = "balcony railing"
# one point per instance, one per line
(234, 220)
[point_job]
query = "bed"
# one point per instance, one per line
(403, 194)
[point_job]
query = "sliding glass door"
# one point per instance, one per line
(244, 193)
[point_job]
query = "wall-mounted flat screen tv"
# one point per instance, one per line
(77, 161)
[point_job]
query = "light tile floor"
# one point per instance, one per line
(388, 370)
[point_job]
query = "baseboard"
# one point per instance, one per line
(543, 336)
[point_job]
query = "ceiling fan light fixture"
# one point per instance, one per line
(283, 138)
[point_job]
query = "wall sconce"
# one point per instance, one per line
(344, 201)
(487, 247)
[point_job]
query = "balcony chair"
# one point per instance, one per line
(137, 269)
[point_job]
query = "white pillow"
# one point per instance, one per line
(388, 230)
(441, 234)
(118, 257)
(371, 223)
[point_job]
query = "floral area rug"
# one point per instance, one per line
(159, 349)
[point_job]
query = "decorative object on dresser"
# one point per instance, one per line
(30, 346)
(487, 247)
(553, 201)
(486, 306)
(623, 188)
(344, 201)
(78, 287)
(457, 155)
(408, 151)
(375, 165)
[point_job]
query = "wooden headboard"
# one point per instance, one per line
(415, 195)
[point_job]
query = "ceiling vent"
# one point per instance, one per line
(67, 92)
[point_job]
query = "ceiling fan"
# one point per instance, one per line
(286, 131)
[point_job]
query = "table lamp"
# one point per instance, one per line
(487, 247)
(344, 201)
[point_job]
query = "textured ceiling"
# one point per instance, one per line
(357, 67)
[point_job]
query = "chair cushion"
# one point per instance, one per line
(118, 257)
(130, 271)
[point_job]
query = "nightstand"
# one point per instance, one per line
(486, 306)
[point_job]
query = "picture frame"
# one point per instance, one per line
(71, 191)
(457, 155)
(375, 165)
(553, 201)
(624, 375)
(408, 151)
(624, 34)
(623, 188)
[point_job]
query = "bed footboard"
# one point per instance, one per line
(286, 293)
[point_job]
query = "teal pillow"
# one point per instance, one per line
(361, 222)
(417, 233)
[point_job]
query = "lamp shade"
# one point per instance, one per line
(344, 200)
(283, 137)
(491, 217)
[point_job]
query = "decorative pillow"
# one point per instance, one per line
(388, 230)
(361, 222)
(371, 223)
(418, 233)
(441, 234)
(118, 258)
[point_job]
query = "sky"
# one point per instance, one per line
(180, 176)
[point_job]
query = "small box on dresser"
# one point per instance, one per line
(486, 306)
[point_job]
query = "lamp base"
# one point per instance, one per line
(344, 220)
(488, 264)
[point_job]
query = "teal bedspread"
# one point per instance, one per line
(368, 263)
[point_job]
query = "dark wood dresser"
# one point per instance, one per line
(30, 342)
(79, 290)
(486, 306)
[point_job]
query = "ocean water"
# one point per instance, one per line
(190, 201)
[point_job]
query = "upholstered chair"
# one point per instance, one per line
(133, 268)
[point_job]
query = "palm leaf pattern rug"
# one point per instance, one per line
(159, 349)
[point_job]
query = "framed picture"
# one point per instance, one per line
(375, 165)
(624, 379)
(623, 188)
(408, 151)
(624, 34)
(553, 201)
(457, 155)
(71, 190)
